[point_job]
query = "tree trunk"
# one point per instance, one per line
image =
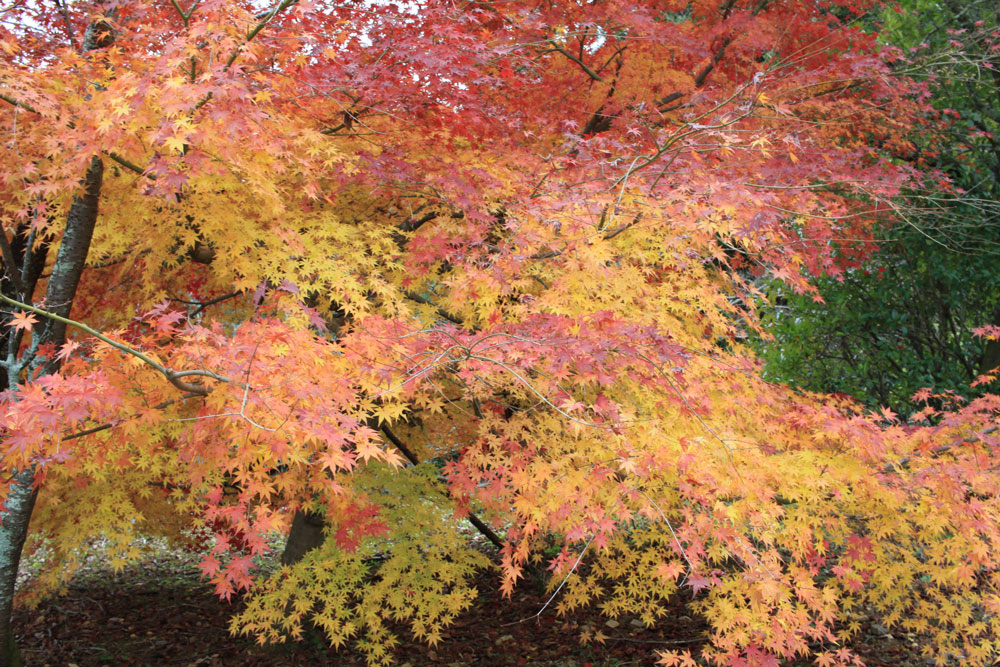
(991, 350)
(991, 356)
(15, 515)
(306, 534)
(13, 532)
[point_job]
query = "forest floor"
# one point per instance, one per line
(159, 613)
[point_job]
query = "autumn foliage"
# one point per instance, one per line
(515, 242)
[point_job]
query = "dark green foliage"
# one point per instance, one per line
(904, 319)
(901, 322)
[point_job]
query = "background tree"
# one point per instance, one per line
(903, 319)
(506, 239)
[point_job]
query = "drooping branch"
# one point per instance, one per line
(591, 73)
(264, 20)
(174, 377)
(485, 530)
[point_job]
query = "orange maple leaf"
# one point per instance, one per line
(66, 350)
(22, 321)
(669, 571)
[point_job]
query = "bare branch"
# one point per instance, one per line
(17, 103)
(172, 376)
(591, 73)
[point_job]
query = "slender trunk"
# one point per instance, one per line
(14, 530)
(991, 356)
(15, 515)
(307, 529)
(306, 534)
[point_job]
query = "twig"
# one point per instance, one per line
(591, 73)
(558, 588)
(172, 376)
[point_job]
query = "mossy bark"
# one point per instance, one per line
(15, 514)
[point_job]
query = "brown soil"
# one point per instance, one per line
(159, 614)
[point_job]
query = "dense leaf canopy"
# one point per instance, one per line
(515, 242)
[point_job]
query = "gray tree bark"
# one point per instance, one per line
(15, 515)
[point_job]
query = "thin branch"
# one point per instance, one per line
(663, 101)
(184, 15)
(172, 376)
(109, 425)
(549, 254)
(896, 466)
(485, 530)
(700, 78)
(530, 387)
(260, 26)
(677, 541)
(413, 224)
(265, 19)
(17, 103)
(400, 445)
(702, 75)
(131, 166)
(202, 305)
(413, 296)
(591, 73)
(69, 24)
(558, 588)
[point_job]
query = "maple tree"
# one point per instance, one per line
(410, 264)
